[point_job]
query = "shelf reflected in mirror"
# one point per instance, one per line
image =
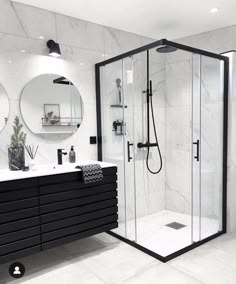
(52, 107)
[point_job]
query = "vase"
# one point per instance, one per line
(16, 157)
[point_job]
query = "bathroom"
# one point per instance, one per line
(106, 72)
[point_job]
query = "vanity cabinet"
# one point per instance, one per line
(19, 219)
(47, 211)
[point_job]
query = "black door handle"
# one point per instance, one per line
(128, 150)
(197, 156)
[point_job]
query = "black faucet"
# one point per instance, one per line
(59, 156)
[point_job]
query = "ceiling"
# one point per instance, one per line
(153, 18)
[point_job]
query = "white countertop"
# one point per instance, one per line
(47, 170)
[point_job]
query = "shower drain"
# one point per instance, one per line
(176, 225)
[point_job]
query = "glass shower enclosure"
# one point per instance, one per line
(162, 118)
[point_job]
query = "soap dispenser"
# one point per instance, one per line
(72, 157)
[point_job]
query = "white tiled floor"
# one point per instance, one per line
(104, 260)
(153, 234)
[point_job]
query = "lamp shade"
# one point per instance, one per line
(54, 48)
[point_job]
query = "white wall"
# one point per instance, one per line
(82, 44)
(4, 107)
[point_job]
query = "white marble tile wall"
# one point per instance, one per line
(179, 122)
(82, 44)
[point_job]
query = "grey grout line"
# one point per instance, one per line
(18, 18)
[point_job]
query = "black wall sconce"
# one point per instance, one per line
(54, 48)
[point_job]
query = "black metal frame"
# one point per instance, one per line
(225, 135)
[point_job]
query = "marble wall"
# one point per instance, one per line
(24, 55)
(83, 44)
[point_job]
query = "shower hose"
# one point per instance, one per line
(158, 147)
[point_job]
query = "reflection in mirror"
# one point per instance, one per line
(4, 108)
(52, 107)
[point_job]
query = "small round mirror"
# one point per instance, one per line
(52, 107)
(4, 108)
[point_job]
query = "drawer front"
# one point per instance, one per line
(80, 235)
(19, 215)
(78, 219)
(77, 202)
(19, 205)
(19, 225)
(75, 185)
(52, 198)
(13, 185)
(20, 245)
(46, 218)
(18, 195)
(19, 254)
(78, 228)
(70, 177)
(19, 235)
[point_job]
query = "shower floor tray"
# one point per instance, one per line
(153, 234)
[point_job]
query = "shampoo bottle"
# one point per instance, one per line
(72, 157)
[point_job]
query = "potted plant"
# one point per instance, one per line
(16, 153)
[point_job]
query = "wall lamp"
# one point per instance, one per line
(54, 48)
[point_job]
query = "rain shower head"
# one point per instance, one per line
(166, 49)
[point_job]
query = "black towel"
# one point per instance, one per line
(91, 173)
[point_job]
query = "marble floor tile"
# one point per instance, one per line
(226, 243)
(208, 264)
(118, 264)
(72, 273)
(163, 274)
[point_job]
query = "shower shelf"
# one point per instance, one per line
(118, 106)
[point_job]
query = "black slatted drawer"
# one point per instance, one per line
(18, 215)
(77, 211)
(78, 228)
(70, 177)
(18, 184)
(19, 225)
(19, 254)
(19, 235)
(19, 205)
(80, 235)
(62, 187)
(78, 219)
(77, 202)
(18, 195)
(46, 199)
(23, 244)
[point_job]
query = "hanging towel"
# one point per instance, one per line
(91, 173)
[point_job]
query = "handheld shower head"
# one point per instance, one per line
(118, 82)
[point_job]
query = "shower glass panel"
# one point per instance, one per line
(163, 117)
(113, 146)
(129, 148)
(211, 133)
(164, 199)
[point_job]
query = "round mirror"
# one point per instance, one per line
(52, 107)
(4, 108)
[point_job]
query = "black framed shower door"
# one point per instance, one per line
(223, 152)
